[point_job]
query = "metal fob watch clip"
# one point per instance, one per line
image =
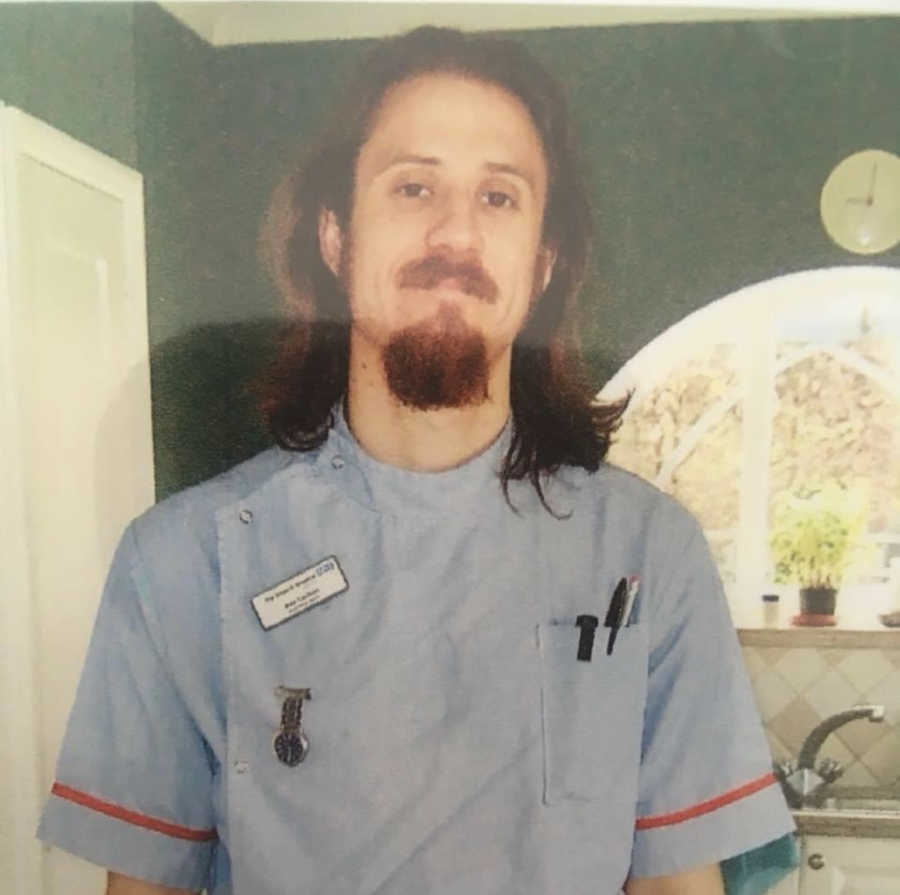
(290, 743)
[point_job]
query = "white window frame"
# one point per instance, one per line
(749, 320)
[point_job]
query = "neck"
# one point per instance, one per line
(422, 440)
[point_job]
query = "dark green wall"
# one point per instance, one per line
(71, 65)
(195, 381)
(708, 145)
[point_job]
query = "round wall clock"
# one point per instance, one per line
(860, 202)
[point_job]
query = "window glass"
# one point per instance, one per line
(684, 435)
(837, 418)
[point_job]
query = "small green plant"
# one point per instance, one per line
(817, 533)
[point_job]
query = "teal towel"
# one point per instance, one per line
(757, 871)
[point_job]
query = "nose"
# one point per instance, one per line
(456, 226)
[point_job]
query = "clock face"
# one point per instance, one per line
(860, 202)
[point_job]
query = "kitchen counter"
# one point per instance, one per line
(867, 821)
(869, 825)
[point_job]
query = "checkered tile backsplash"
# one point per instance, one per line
(797, 688)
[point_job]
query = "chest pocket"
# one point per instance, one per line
(593, 714)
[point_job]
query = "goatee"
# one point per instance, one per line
(439, 362)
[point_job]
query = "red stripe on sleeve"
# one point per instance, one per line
(664, 820)
(132, 817)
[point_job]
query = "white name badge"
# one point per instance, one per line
(305, 590)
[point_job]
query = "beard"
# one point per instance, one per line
(442, 361)
(437, 363)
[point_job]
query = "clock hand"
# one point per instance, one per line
(871, 197)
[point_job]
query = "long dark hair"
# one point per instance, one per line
(555, 418)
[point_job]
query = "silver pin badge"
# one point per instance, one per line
(290, 743)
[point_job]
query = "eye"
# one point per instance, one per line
(413, 190)
(498, 199)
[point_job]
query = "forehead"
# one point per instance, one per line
(451, 118)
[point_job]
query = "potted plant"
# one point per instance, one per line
(817, 533)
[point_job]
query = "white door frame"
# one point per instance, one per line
(21, 134)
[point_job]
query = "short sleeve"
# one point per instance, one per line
(706, 790)
(134, 776)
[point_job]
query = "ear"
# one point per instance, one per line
(547, 260)
(331, 240)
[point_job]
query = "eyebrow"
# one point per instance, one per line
(406, 158)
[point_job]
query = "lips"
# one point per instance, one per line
(451, 284)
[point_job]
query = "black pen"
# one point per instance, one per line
(615, 612)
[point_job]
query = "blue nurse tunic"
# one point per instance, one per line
(465, 732)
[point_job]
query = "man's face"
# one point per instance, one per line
(444, 243)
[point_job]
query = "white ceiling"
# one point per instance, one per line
(228, 23)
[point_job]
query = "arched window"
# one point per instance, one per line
(790, 383)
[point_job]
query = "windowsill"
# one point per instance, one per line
(835, 637)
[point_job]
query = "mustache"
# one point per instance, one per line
(431, 271)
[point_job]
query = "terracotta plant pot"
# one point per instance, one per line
(817, 600)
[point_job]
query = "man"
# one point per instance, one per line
(435, 645)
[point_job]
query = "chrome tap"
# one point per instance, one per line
(820, 732)
(801, 780)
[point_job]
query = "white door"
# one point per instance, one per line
(76, 452)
